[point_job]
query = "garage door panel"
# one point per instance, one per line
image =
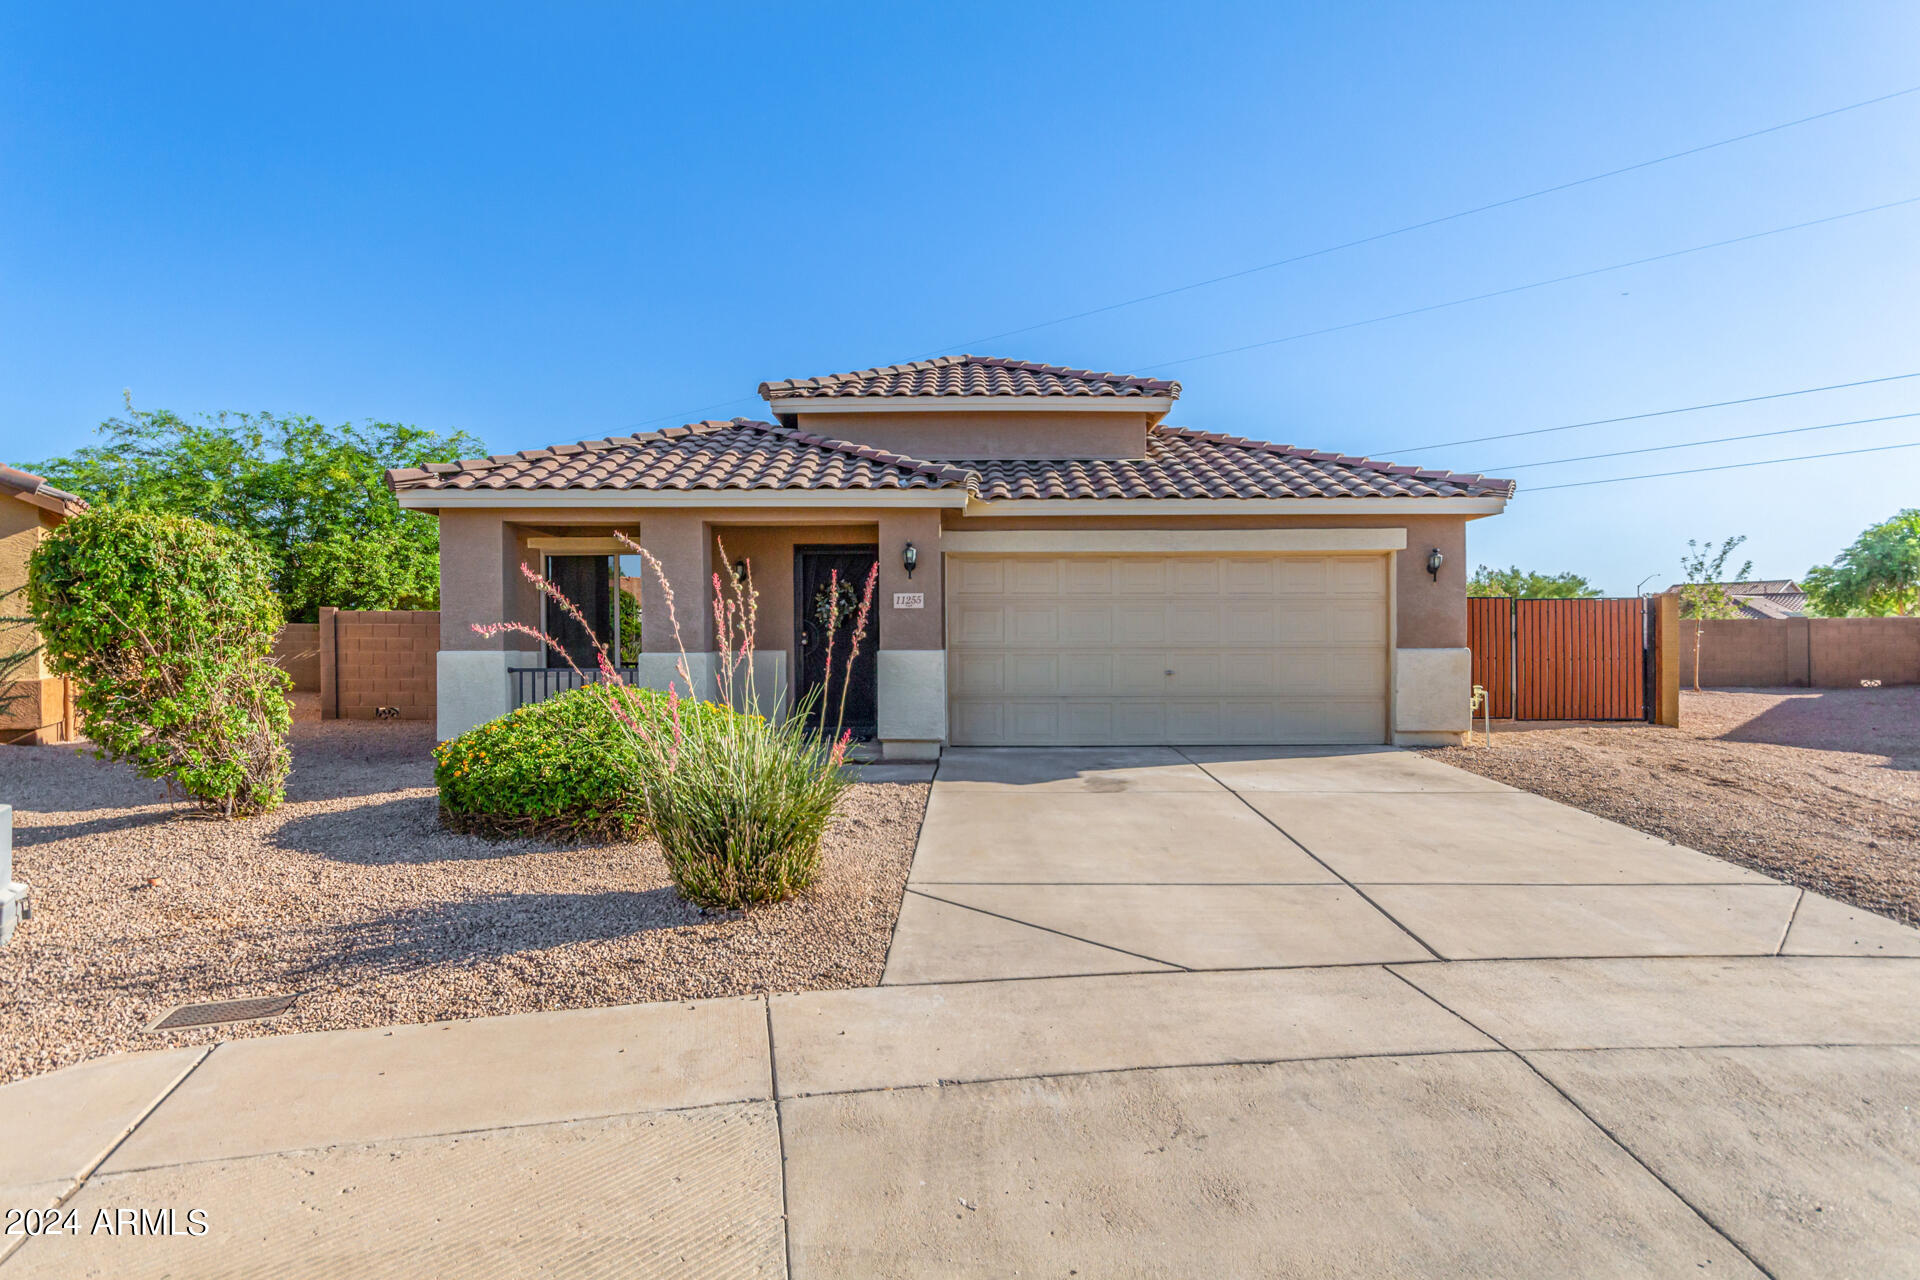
(1033, 578)
(979, 625)
(1194, 577)
(1136, 577)
(1356, 623)
(1140, 624)
(1090, 650)
(973, 575)
(1033, 673)
(1198, 624)
(1087, 576)
(1086, 624)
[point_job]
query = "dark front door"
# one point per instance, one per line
(829, 583)
(588, 582)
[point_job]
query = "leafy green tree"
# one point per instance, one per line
(1878, 575)
(167, 624)
(312, 497)
(1703, 596)
(1525, 585)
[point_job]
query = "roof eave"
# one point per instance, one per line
(788, 407)
(1472, 508)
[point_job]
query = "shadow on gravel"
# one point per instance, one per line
(403, 829)
(489, 927)
(1882, 722)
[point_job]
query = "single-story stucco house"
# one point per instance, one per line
(36, 706)
(1056, 565)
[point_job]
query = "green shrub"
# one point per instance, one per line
(564, 768)
(167, 623)
(740, 808)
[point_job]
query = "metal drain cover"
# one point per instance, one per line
(221, 1012)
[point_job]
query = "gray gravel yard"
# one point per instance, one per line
(353, 896)
(1820, 787)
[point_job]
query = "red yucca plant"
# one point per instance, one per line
(739, 802)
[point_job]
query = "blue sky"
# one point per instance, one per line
(556, 222)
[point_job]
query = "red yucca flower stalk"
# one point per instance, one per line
(853, 650)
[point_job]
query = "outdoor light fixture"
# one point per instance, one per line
(1434, 561)
(909, 558)
(740, 571)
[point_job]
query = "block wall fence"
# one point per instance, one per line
(1817, 653)
(368, 659)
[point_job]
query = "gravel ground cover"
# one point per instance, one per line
(1819, 787)
(354, 897)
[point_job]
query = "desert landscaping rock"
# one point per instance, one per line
(1817, 787)
(353, 896)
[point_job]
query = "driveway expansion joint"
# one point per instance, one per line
(1059, 933)
(1591, 1119)
(1316, 857)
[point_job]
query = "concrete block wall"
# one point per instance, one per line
(370, 659)
(1821, 653)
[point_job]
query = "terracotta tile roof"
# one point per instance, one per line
(1200, 464)
(969, 376)
(29, 487)
(741, 454)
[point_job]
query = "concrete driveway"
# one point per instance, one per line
(1345, 1013)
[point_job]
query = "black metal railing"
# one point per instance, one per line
(537, 684)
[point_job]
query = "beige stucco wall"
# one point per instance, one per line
(481, 552)
(42, 710)
(989, 435)
(768, 549)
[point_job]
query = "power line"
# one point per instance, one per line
(1691, 444)
(1657, 413)
(1731, 466)
(1534, 284)
(1421, 226)
(686, 414)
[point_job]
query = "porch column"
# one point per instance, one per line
(913, 655)
(679, 541)
(480, 582)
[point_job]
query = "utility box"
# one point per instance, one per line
(16, 902)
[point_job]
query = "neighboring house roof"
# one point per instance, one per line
(1200, 464)
(30, 488)
(743, 454)
(969, 376)
(1767, 598)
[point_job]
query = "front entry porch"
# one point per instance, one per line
(773, 598)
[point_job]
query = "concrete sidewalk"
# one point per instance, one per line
(1513, 1118)
(1220, 1014)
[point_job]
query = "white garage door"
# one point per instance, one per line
(1089, 650)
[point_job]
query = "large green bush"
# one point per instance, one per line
(563, 768)
(167, 623)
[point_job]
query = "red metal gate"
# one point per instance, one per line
(1560, 659)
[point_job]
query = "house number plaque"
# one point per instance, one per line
(909, 600)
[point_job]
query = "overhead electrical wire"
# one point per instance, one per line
(1690, 444)
(1535, 284)
(1730, 466)
(1423, 225)
(1656, 413)
(686, 414)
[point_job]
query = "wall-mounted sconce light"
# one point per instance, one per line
(1434, 561)
(909, 558)
(740, 571)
